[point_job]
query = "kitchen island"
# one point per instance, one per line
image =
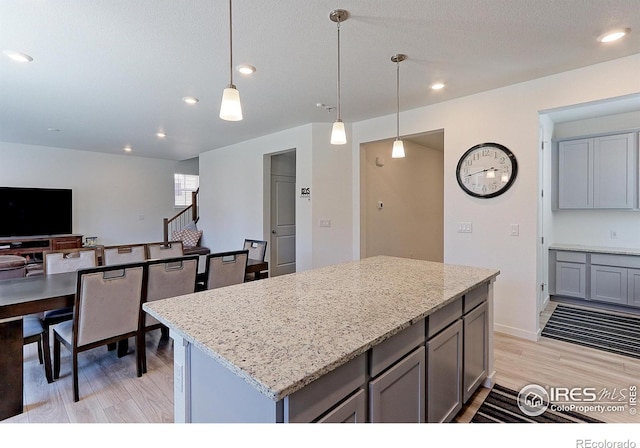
(378, 339)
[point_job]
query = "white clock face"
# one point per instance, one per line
(486, 170)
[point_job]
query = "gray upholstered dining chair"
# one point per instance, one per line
(257, 251)
(167, 249)
(170, 277)
(225, 268)
(107, 310)
(69, 260)
(124, 253)
(59, 261)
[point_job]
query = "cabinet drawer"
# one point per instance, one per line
(316, 398)
(475, 297)
(625, 261)
(394, 348)
(443, 317)
(572, 257)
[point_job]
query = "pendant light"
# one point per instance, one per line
(398, 146)
(338, 134)
(230, 108)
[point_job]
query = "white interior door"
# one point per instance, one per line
(283, 225)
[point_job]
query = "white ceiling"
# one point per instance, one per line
(112, 73)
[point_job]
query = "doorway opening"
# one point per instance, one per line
(402, 200)
(282, 213)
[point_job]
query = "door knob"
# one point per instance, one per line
(273, 231)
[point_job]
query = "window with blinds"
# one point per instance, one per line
(184, 184)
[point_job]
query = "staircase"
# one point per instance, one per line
(183, 219)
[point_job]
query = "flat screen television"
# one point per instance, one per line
(35, 211)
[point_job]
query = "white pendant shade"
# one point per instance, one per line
(338, 134)
(398, 149)
(230, 108)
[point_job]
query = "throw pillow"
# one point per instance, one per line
(191, 238)
(176, 235)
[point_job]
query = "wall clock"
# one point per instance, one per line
(486, 170)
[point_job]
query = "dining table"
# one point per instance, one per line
(20, 297)
(36, 294)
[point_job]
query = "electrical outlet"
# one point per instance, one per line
(515, 229)
(325, 223)
(614, 234)
(465, 227)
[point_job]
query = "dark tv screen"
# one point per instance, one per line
(35, 211)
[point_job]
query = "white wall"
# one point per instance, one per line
(232, 194)
(508, 116)
(410, 223)
(110, 192)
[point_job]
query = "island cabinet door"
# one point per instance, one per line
(398, 395)
(444, 374)
(476, 353)
(352, 410)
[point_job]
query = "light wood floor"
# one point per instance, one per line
(111, 392)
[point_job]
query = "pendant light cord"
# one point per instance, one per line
(230, 47)
(398, 100)
(338, 70)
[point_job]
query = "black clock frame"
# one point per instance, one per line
(514, 170)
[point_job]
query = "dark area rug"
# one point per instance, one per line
(600, 330)
(501, 406)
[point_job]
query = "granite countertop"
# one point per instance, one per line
(282, 333)
(596, 249)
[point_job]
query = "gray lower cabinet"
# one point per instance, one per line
(609, 284)
(444, 374)
(609, 278)
(476, 349)
(397, 395)
(352, 410)
(571, 279)
(633, 291)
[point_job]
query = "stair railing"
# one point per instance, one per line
(182, 218)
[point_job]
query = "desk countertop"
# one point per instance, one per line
(282, 333)
(596, 249)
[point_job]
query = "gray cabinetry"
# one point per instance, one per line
(633, 291)
(475, 338)
(570, 274)
(397, 395)
(608, 278)
(609, 284)
(597, 172)
(575, 182)
(352, 410)
(444, 374)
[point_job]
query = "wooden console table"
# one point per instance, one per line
(31, 247)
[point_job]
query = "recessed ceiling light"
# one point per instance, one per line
(17, 56)
(161, 134)
(190, 100)
(53, 129)
(614, 35)
(437, 86)
(246, 69)
(127, 149)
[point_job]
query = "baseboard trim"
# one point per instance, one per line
(531, 336)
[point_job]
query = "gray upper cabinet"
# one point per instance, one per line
(598, 172)
(575, 182)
